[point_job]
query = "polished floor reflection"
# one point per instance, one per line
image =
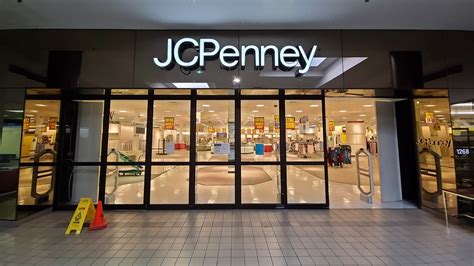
(241, 237)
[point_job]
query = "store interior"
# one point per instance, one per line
(38, 145)
(351, 125)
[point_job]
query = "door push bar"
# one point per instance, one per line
(432, 172)
(42, 174)
(366, 172)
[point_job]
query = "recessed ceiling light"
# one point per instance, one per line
(314, 105)
(41, 105)
(141, 115)
(430, 105)
(33, 111)
(439, 115)
(167, 111)
(255, 111)
(121, 118)
(260, 105)
(14, 111)
(206, 105)
(123, 111)
(437, 111)
(299, 111)
(343, 111)
(344, 118)
(367, 105)
(214, 115)
(363, 115)
(211, 111)
(177, 115)
(288, 115)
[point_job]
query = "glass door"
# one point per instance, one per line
(39, 149)
(215, 152)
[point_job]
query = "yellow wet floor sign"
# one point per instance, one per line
(85, 211)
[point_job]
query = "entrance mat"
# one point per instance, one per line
(219, 176)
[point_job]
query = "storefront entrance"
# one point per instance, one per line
(200, 148)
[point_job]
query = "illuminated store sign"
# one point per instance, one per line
(230, 57)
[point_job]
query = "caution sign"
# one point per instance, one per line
(169, 123)
(85, 211)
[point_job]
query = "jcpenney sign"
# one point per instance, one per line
(230, 57)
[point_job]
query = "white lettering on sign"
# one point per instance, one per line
(286, 58)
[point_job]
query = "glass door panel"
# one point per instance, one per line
(435, 151)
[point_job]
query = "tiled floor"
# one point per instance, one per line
(242, 237)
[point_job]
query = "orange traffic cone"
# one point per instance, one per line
(99, 220)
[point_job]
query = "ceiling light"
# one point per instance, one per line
(211, 111)
(255, 111)
(167, 111)
(314, 105)
(430, 105)
(214, 115)
(367, 105)
(344, 118)
(28, 115)
(343, 111)
(362, 115)
(439, 115)
(33, 111)
(14, 111)
(41, 105)
(260, 105)
(123, 111)
(206, 105)
(121, 118)
(177, 115)
(437, 111)
(299, 111)
(288, 115)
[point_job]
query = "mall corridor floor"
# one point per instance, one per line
(242, 237)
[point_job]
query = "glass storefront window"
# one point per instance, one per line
(259, 92)
(124, 184)
(260, 130)
(36, 185)
(171, 131)
(169, 184)
(216, 92)
(129, 92)
(127, 131)
(43, 91)
(11, 121)
(435, 150)
(304, 130)
(302, 92)
(350, 92)
(306, 184)
(172, 92)
(261, 184)
(215, 130)
(215, 184)
(40, 125)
